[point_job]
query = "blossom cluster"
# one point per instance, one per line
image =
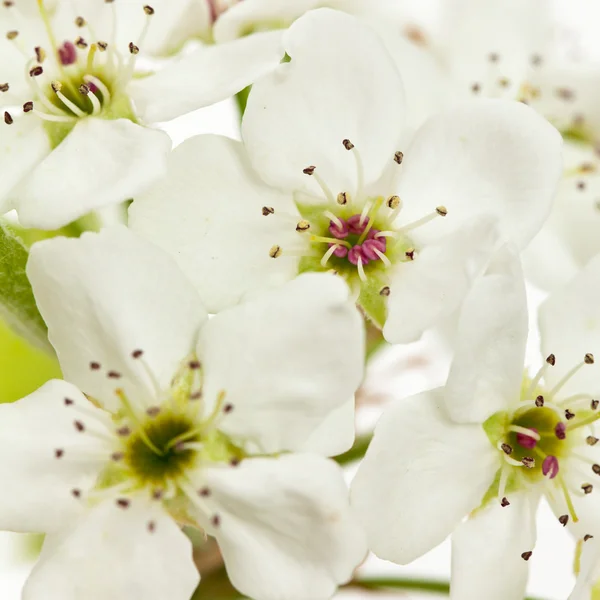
(212, 306)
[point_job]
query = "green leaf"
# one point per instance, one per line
(17, 304)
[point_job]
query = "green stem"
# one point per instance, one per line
(357, 451)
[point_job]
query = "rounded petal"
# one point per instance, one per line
(425, 291)
(99, 163)
(485, 157)
(487, 549)
(285, 361)
(335, 434)
(222, 71)
(22, 146)
(421, 475)
(569, 323)
(44, 459)
(285, 526)
(589, 571)
(207, 213)
(116, 553)
(299, 115)
(489, 354)
(105, 295)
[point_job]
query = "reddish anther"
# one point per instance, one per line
(526, 441)
(550, 466)
(560, 431)
(67, 53)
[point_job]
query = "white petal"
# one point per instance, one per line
(474, 30)
(207, 213)
(286, 530)
(487, 548)
(22, 146)
(335, 434)
(489, 354)
(206, 76)
(589, 571)
(421, 475)
(425, 291)
(299, 115)
(36, 484)
(285, 360)
(99, 163)
(486, 157)
(116, 553)
(570, 328)
(105, 295)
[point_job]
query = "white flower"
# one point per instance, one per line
(493, 441)
(79, 142)
(322, 184)
(203, 421)
(587, 586)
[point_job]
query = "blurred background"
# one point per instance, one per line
(394, 372)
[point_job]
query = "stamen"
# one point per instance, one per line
(587, 360)
(568, 499)
(361, 270)
(329, 254)
(422, 221)
(70, 105)
(550, 467)
(339, 224)
(326, 191)
(525, 432)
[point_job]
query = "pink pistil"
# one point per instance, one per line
(526, 441)
(67, 53)
(560, 431)
(356, 253)
(550, 466)
(339, 232)
(369, 247)
(356, 225)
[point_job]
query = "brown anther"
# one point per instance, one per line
(113, 375)
(504, 502)
(157, 494)
(59, 453)
(565, 93)
(594, 404)
(123, 503)
(528, 461)
(153, 411)
(234, 462)
(275, 251)
(303, 225)
(539, 401)
(151, 526)
(148, 10)
(493, 57)
(476, 88)
(94, 366)
(123, 431)
(102, 46)
(551, 360)
(410, 254)
(441, 210)
(194, 365)
(399, 157)
(384, 291)
(506, 448)
(591, 440)
(348, 144)
(581, 186)
(79, 426)
(36, 71)
(588, 359)
(342, 198)
(596, 469)
(40, 54)
(536, 60)
(587, 537)
(69, 402)
(504, 82)
(8, 118)
(587, 167)
(393, 202)
(196, 395)
(527, 555)
(204, 492)
(309, 170)
(117, 456)
(84, 89)
(587, 488)
(56, 86)
(133, 49)
(137, 353)
(80, 22)
(4, 87)
(11, 35)
(28, 107)
(76, 493)
(216, 520)
(563, 520)
(8, 3)
(228, 408)
(267, 210)
(81, 43)
(569, 414)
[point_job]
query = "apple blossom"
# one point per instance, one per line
(319, 188)
(492, 442)
(166, 416)
(80, 140)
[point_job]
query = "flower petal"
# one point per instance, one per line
(23, 145)
(105, 295)
(44, 458)
(489, 157)
(425, 291)
(487, 549)
(589, 572)
(206, 76)
(285, 527)
(299, 115)
(207, 213)
(421, 475)
(569, 323)
(117, 553)
(285, 360)
(99, 163)
(335, 434)
(489, 355)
